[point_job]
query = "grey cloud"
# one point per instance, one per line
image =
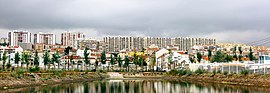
(138, 17)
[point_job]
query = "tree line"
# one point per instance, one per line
(221, 56)
(33, 61)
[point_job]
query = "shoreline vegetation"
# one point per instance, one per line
(12, 80)
(18, 79)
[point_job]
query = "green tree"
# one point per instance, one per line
(127, 63)
(234, 53)
(36, 59)
(86, 58)
(103, 57)
(228, 58)
(0, 56)
(96, 64)
(111, 61)
(66, 52)
(4, 58)
(250, 55)
(71, 61)
(218, 57)
(26, 58)
(135, 60)
(141, 60)
(170, 59)
(191, 59)
(22, 59)
(153, 60)
(17, 59)
(46, 58)
(209, 54)
(120, 61)
(199, 57)
(240, 56)
(56, 58)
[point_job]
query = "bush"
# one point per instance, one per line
(218, 71)
(185, 72)
(76, 70)
(199, 71)
(188, 72)
(244, 72)
(182, 72)
(214, 72)
(8, 65)
(20, 72)
(34, 69)
(13, 74)
(56, 72)
(225, 72)
(173, 72)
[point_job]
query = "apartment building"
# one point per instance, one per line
(71, 38)
(45, 38)
(18, 36)
(90, 43)
(117, 43)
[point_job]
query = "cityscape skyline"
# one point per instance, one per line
(136, 46)
(226, 21)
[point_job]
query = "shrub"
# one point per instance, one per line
(218, 71)
(13, 74)
(20, 72)
(76, 70)
(214, 72)
(244, 72)
(188, 72)
(34, 69)
(56, 72)
(225, 72)
(173, 72)
(8, 65)
(199, 71)
(182, 72)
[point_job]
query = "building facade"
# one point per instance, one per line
(117, 43)
(90, 43)
(44, 38)
(71, 38)
(18, 36)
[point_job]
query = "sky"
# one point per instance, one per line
(234, 21)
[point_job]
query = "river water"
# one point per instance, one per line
(138, 86)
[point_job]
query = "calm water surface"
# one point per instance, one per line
(138, 86)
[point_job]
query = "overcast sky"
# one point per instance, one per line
(226, 20)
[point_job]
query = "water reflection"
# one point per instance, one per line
(138, 86)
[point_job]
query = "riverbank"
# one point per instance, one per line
(231, 79)
(258, 80)
(9, 81)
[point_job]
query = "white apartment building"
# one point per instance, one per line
(117, 43)
(71, 38)
(45, 38)
(18, 36)
(11, 50)
(91, 44)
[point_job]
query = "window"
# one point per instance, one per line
(267, 58)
